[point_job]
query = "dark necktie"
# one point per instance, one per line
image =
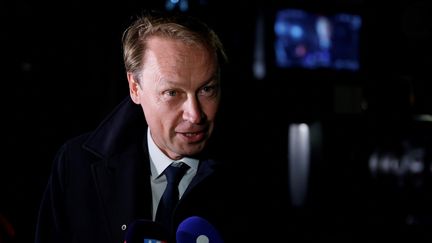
(170, 197)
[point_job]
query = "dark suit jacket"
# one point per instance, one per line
(100, 182)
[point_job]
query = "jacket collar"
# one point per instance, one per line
(123, 127)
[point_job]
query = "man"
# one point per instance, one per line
(104, 180)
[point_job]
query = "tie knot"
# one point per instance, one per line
(175, 172)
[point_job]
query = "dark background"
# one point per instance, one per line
(62, 73)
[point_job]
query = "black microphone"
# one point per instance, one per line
(197, 230)
(146, 231)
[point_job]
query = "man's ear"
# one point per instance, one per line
(134, 88)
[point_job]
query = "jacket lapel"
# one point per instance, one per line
(205, 169)
(122, 172)
(121, 189)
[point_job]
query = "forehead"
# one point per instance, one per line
(170, 47)
(172, 58)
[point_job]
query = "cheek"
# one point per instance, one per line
(151, 110)
(158, 114)
(211, 109)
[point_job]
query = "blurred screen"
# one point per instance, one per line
(310, 40)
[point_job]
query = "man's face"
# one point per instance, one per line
(179, 92)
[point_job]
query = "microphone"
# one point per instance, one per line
(197, 230)
(146, 231)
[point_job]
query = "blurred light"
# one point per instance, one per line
(259, 69)
(183, 5)
(296, 32)
(389, 164)
(374, 163)
(423, 117)
(299, 160)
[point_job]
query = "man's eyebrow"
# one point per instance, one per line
(213, 78)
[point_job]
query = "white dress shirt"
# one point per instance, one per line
(158, 163)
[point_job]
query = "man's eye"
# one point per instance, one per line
(209, 90)
(170, 92)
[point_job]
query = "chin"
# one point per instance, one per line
(193, 150)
